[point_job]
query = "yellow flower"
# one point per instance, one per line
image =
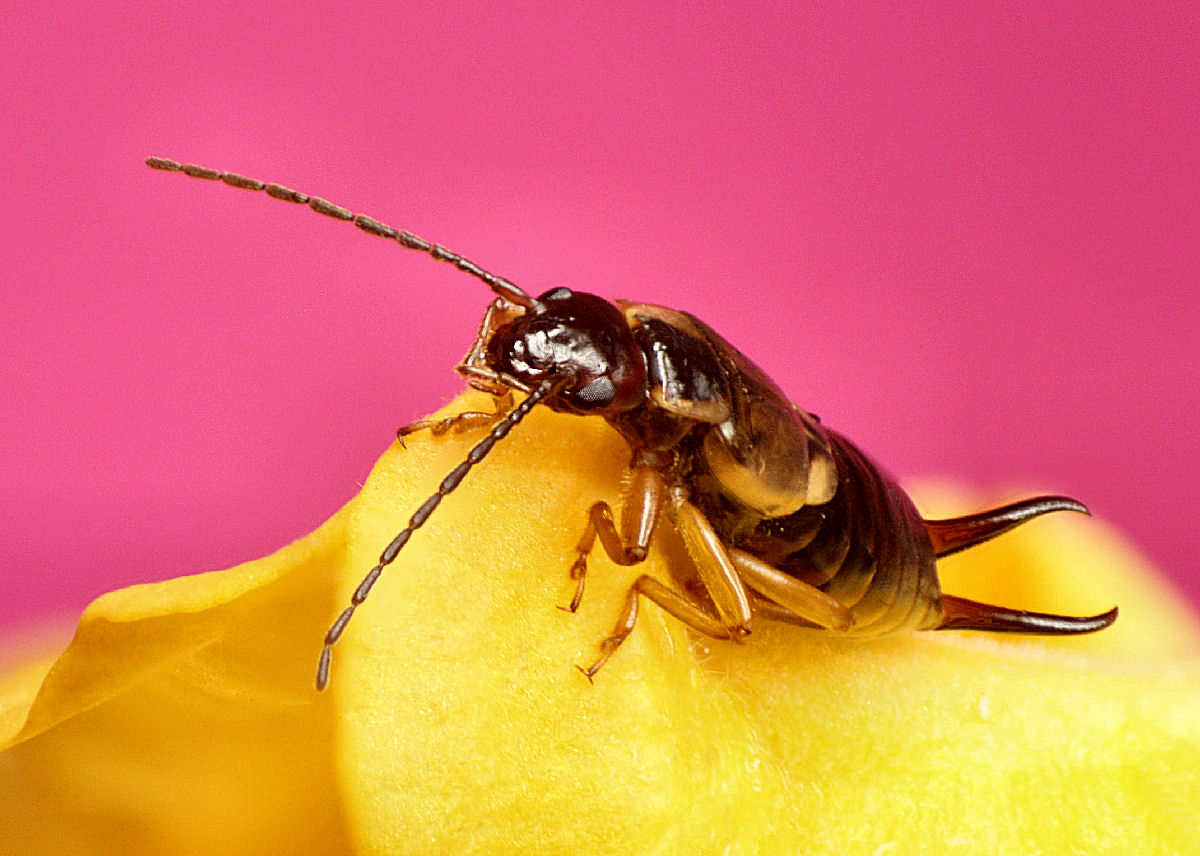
(182, 719)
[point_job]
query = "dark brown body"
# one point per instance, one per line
(867, 546)
(863, 543)
(782, 518)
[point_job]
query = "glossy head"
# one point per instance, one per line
(577, 335)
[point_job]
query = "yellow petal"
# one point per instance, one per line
(466, 729)
(182, 718)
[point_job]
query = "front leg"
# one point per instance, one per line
(460, 422)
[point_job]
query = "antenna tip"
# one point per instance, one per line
(163, 163)
(323, 668)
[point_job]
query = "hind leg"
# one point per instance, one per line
(686, 610)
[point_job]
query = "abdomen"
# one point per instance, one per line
(867, 546)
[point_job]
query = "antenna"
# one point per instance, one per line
(501, 286)
(545, 389)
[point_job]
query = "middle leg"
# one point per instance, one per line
(639, 516)
(718, 577)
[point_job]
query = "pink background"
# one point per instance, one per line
(968, 237)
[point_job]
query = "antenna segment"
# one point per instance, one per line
(450, 482)
(498, 284)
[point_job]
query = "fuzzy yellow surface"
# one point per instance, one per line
(182, 717)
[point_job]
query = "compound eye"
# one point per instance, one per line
(598, 393)
(557, 294)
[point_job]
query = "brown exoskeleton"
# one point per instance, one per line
(783, 518)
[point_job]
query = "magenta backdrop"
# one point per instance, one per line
(967, 236)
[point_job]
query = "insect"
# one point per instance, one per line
(782, 518)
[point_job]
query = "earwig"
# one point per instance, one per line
(782, 518)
